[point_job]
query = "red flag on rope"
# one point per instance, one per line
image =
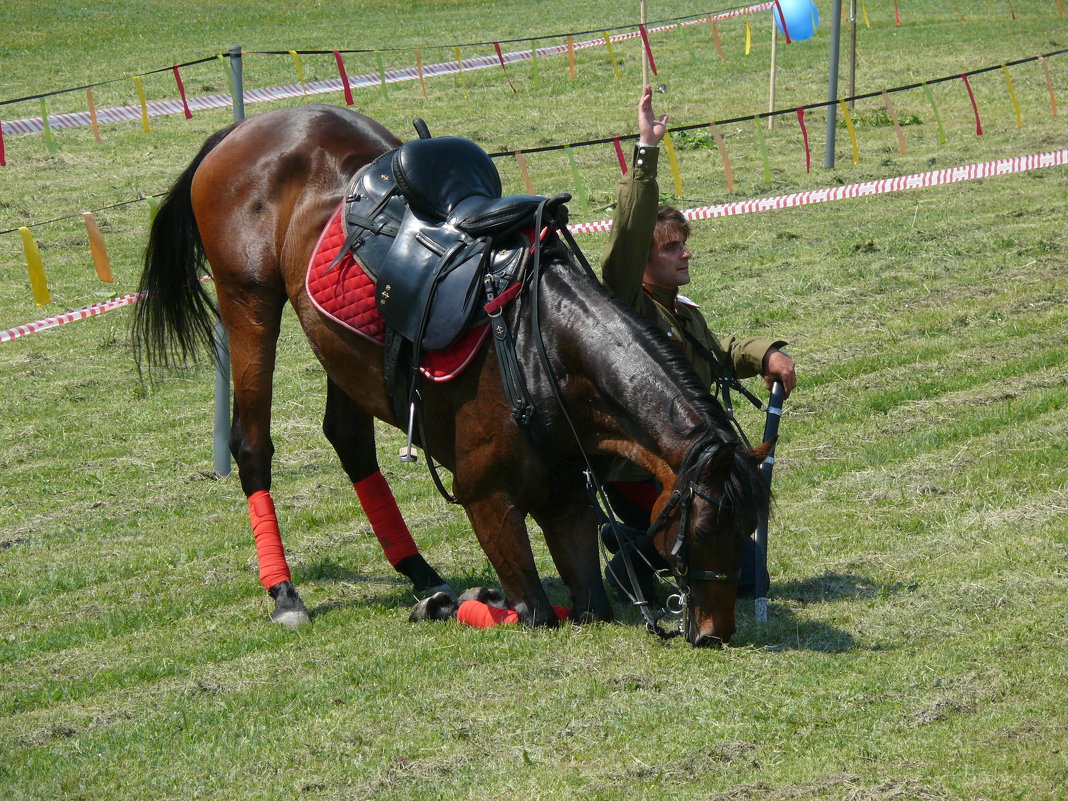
(804, 133)
(181, 91)
(3, 161)
(619, 156)
(975, 107)
(648, 49)
(782, 21)
(344, 78)
(500, 58)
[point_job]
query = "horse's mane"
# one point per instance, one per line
(661, 349)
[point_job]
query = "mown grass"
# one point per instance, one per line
(916, 642)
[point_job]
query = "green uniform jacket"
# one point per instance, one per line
(623, 264)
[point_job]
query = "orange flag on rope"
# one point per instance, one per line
(521, 160)
(893, 118)
(419, 66)
(724, 156)
(1049, 84)
(96, 247)
(715, 38)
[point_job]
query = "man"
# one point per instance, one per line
(644, 265)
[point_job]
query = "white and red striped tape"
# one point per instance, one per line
(163, 108)
(70, 317)
(970, 172)
(920, 180)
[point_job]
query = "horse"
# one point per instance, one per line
(250, 207)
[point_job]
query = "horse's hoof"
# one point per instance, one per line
(429, 592)
(289, 610)
(485, 595)
(439, 606)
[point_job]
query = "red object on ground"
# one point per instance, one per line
(484, 616)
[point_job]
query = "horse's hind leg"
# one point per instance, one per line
(252, 321)
(351, 432)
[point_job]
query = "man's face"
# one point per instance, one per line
(669, 263)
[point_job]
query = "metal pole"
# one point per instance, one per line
(832, 83)
(761, 578)
(774, 65)
(221, 437)
(852, 51)
(238, 82)
(221, 429)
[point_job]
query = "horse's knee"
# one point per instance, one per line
(253, 459)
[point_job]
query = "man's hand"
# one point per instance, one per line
(779, 367)
(651, 129)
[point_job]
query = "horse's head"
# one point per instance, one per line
(712, 510)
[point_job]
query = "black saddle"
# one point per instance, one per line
(427, 221)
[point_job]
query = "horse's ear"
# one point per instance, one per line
(721, 459)
(760, 453)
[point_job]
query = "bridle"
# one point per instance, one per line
(682, 499)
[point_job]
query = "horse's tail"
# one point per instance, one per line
(175, 319)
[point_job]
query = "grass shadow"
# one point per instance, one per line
(830, 587)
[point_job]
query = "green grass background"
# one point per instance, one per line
(916, 643)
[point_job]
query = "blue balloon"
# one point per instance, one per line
(802, 17)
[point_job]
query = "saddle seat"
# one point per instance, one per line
(453, 180)
(427, 221)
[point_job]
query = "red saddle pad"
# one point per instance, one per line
(346, 295)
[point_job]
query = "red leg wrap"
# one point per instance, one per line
(381, 509)
(269, 551)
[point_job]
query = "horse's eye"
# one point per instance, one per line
(704, 534)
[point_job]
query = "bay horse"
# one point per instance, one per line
(251, 205)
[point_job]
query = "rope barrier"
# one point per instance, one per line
(970, 172)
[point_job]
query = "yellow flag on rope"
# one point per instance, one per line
(38, 284)
(1012, 95)
(144, 105)
(673, 160)
(300, 73)
(748, 36)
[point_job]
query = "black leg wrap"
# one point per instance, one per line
(425, 579)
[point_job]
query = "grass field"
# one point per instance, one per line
(916, 647)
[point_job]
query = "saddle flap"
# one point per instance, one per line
(430, 281)
(437, 174)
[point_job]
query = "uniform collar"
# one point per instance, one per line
(665, 297)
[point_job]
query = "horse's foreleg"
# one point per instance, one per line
(351, 432)
(252, 323)
(570, 531)
(502, 532)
